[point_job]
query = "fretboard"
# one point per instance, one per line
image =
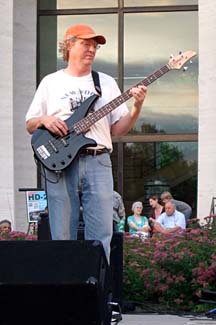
(84, 124)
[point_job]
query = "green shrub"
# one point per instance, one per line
(170, 270)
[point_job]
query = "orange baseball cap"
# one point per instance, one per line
(84, 32)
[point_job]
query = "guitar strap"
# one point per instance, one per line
(96, 80)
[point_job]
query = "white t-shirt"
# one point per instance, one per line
(60, 93)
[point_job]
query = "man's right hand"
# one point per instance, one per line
(52, 123)
(55, 125)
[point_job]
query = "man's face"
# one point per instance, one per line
(83, 51)
(169, 208)
(5, 228)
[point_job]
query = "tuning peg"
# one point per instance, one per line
(171, 56)
(191, 61)
(185, 69)
(180, 52)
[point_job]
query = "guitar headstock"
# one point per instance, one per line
(178, 61)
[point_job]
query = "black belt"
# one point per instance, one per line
(93, 152)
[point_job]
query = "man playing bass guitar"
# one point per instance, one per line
(87, 179)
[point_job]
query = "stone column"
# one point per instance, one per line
(207, 107)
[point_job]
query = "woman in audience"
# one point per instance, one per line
(137, 223)
(156, 207)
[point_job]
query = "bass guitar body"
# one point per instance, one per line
(56, 153)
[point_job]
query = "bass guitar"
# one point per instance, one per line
(56, 153)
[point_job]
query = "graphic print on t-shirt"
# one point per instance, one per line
(77, 97)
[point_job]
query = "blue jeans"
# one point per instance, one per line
(87, 182)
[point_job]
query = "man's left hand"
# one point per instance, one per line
(139, 94)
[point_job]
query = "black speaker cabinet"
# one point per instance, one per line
(54, 283)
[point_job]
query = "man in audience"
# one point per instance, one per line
(118, 212)
(170, 221)
(180, 205)
(5, 226)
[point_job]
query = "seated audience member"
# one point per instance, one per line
(180, 205)
(156, 210)
(170, 221)
(118, 212)
(138, 224)
(5, 226)
(156, 207)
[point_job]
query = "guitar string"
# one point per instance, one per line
(89, 120)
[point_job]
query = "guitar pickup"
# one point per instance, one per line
(65, 143)
(53, 146)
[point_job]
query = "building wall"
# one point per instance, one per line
(17, 86)
(207, 107)
(24, 80)
(6, 111)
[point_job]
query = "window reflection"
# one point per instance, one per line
(133, 3)
(150, 168)
(171, 105)
(140, 168)
(76, 4)
(79, 4)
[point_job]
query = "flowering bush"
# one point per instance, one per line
(17, 235)
(170, 270)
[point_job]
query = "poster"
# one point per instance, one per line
(36, 203)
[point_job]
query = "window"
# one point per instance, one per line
(150, 39)
(151, 168)
(160, 152)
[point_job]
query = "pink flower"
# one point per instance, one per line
(17, 235)
(163, 287)
(178, 301)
